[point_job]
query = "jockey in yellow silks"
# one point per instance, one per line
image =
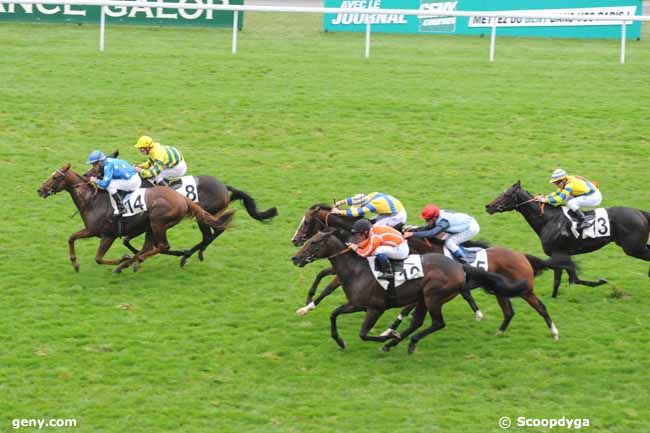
(575, 192)
(165, 162)
(390, 211)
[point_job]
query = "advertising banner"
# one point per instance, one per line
(565, 28)
(123, 15)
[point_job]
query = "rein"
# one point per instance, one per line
(343, 251)
(541, 205)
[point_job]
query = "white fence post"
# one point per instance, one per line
(367, 36)
(235, 24)
(623, 31)
(102, 28)
(493, 37)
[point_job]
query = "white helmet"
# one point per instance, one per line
(558, 174)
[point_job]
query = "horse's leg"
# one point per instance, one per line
(508, 313)
(434, 305)
(81, 234)
(206, 238)
(372, 314)
(104, 245)
(126, 241)
(574, 279)
(309, 303)
(539, 306)
(160, 245)
(557, 279)
(398, 321)
(343, 309)
(214, 235)
(147, 246)
(467, 295)
(416, 321)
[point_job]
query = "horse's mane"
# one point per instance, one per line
(321, 206)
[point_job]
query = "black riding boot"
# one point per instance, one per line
(161, 182)
(118, 203)
(384, 266)
(582, 222)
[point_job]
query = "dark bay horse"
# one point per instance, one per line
(214, 196)
(630, 229)
(503, 261)
(165, 209)
(443, 279)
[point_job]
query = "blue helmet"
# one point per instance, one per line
(95, 156)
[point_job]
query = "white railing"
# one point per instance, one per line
(322, 10)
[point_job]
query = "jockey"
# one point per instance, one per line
(575, 192)
(165, 162)
(118, 175)
(380, 241)
(457, 228)
(390, 211)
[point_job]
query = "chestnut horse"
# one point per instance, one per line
(503, 261)
(214, 196)
(443, 279)
(165, 209)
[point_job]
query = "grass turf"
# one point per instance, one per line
(299, 117)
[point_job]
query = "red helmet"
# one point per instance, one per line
(430, 212)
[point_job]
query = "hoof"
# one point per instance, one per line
(479, 316)
(499, 333)
(385, 348)
(390, 332)
(556, 337)
(117, 271)
(603, 281)
(183, 261)
(201, 255)
(76, 267)
(340, 342)
(411, 348)
(302, 311)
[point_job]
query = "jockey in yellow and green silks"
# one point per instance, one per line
(165, 162)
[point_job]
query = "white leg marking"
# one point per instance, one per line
(554, 332)
(479, 316)
(306, 309)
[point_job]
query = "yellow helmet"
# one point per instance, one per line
(144, 142)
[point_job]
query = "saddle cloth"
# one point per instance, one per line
(477, 257)
(186, 186)
(599, 219)
(134, 203)
(411, 270)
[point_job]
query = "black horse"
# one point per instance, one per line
(629, 228)
(214, 196)
(443, 280)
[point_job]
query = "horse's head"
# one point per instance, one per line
(311, 223)
(94, 171)
(506, 201)
(55, 183)
(323, 244)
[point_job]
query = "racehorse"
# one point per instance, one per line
(503, 261)
(165, 209)
(443, 279)
(630, 229)
(213, 197)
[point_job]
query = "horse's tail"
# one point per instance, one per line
(219, 221)
(250, 205)
(495, 283)
(540, 265)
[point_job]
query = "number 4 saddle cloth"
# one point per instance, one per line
(134, 203)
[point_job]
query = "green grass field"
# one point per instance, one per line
(299, 117)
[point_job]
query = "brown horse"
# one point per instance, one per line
(165, 209)
(443, 279)
(213, 196)
(503, 261)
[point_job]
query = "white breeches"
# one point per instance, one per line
(591, 200)
(391, 220)
(128, 185)
(456, 239)
(399, 252)
(172, 173)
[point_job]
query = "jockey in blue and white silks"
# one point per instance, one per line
(459, 228)
(118, 175)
